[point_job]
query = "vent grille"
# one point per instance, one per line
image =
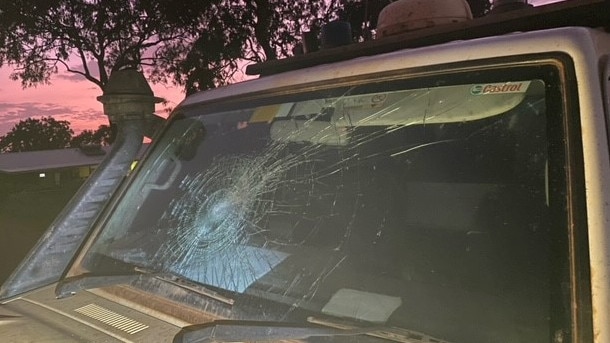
(111, 318)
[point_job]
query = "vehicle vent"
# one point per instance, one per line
(111, 318)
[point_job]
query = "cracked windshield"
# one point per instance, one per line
(380, 204)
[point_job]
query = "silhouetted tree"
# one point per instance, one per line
(259, 30)
(32, 134)
(102, 136)
(234, 33)
(194, 44)
(84, 138)
(38, 37)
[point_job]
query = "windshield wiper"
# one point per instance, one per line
(70, 285)
(193, 287)
(259, 331)
(246, 331)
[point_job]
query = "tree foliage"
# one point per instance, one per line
(47, 133)
(104, 135)
(32, 134)
(194, 44)
(233, 33)
(85, 37)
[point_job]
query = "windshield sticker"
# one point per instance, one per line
(500, 88)
(265, 114)
(372, 307)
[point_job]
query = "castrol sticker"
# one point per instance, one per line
(500, 88)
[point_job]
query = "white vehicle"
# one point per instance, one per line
(447, 184)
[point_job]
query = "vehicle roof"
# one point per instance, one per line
(577, 42)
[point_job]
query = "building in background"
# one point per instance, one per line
(51, 168)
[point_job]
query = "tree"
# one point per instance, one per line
(102, 136)
(37, 37)
(240, 32)
(233, 33)
(197, 43)
(86, 137)
(32, 134)
(194, 44)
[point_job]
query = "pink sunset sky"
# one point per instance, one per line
(70, 97)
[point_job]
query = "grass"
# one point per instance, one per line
(24, 217)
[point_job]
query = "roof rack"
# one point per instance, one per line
(587, 13)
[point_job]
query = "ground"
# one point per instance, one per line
(24, 217)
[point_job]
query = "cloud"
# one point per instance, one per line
(69, 97)
(72, 77)
(79, 118)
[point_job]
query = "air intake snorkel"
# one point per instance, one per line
(129, 103)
